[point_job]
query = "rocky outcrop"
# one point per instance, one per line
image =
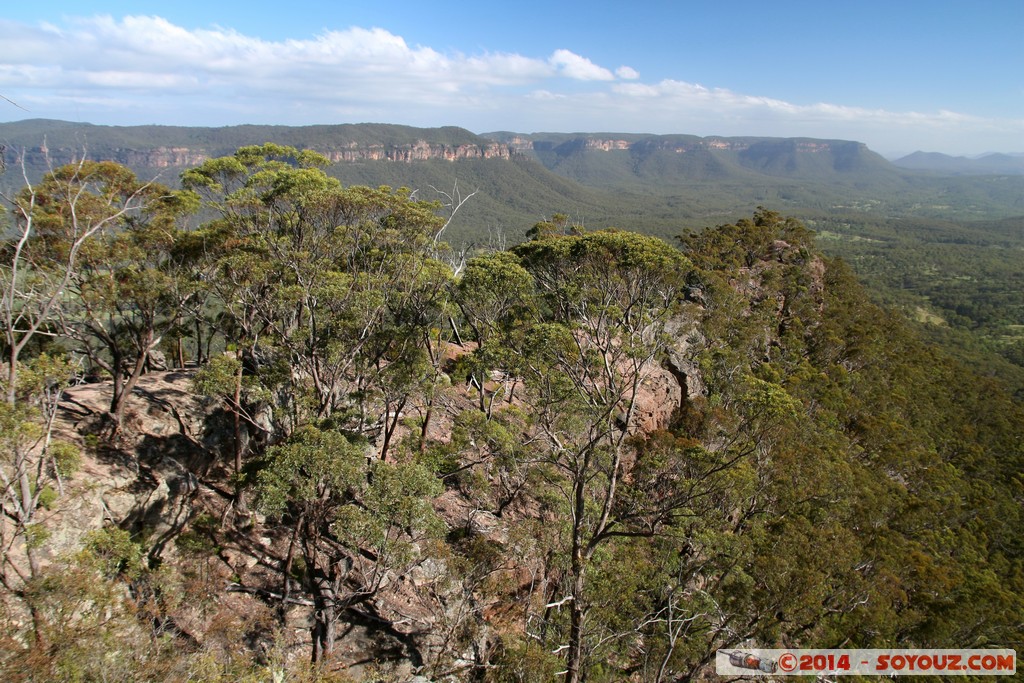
(519, 143)
(161, 157)
(156, 157)
(607, 145)
(184, 157)
(166, 480)
(147, 480)
(668, 143)
(418, 151)
(681, 359)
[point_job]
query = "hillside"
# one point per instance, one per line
(688, 157)
(120, 143)
(645, 181)
(663, 185)
(593, 455)
(989, 164)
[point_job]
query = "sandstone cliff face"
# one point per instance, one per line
(607, 145)
(183, 157)
(519, 143)
(162, 157)
(418, 151)
(523, 144)
(156, 157)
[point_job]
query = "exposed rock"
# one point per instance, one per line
(682, 356)
(427, 572)
(157, 360)
(420, 150)
(148, 484)
(181, 157)
(657, 399)
(143, 482)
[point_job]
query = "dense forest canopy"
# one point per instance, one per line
(941, 247)
(594, 456)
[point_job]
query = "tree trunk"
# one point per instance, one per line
(574, 660)
(200, 358)
(12, 375)
(426, 424)
(119, 403)
(26, 504)
(390, 426)
(38, 628)
(325, 617)
(26, 511)
(116, 375)
(236, 407)
(286, 582)
(578, 568)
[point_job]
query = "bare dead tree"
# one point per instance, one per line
(451, 202)
(32, 287)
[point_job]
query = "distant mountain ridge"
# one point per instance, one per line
(658, 184)
(612, 160)
(599, 159)
(179, 146)
(988, 164)
(171, 146)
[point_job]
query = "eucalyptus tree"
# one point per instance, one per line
(337, 283)
(33, 466)
(605, 299)
(495, 296)
(355, 525)
(54, 223)
(129, 290)
(62, 226)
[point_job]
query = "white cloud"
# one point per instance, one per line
(135, 80)
(627, 73)
(144, 69)
(150, 45)
(694, 99)
(572, 65)
(545, 95)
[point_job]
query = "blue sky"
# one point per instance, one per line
(900, 75)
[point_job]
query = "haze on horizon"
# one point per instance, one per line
(931, 76)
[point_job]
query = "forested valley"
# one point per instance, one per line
(267, 426)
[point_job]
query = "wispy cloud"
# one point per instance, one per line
(679, 100)
(580, 68)
(627, 73)
(142, 69)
